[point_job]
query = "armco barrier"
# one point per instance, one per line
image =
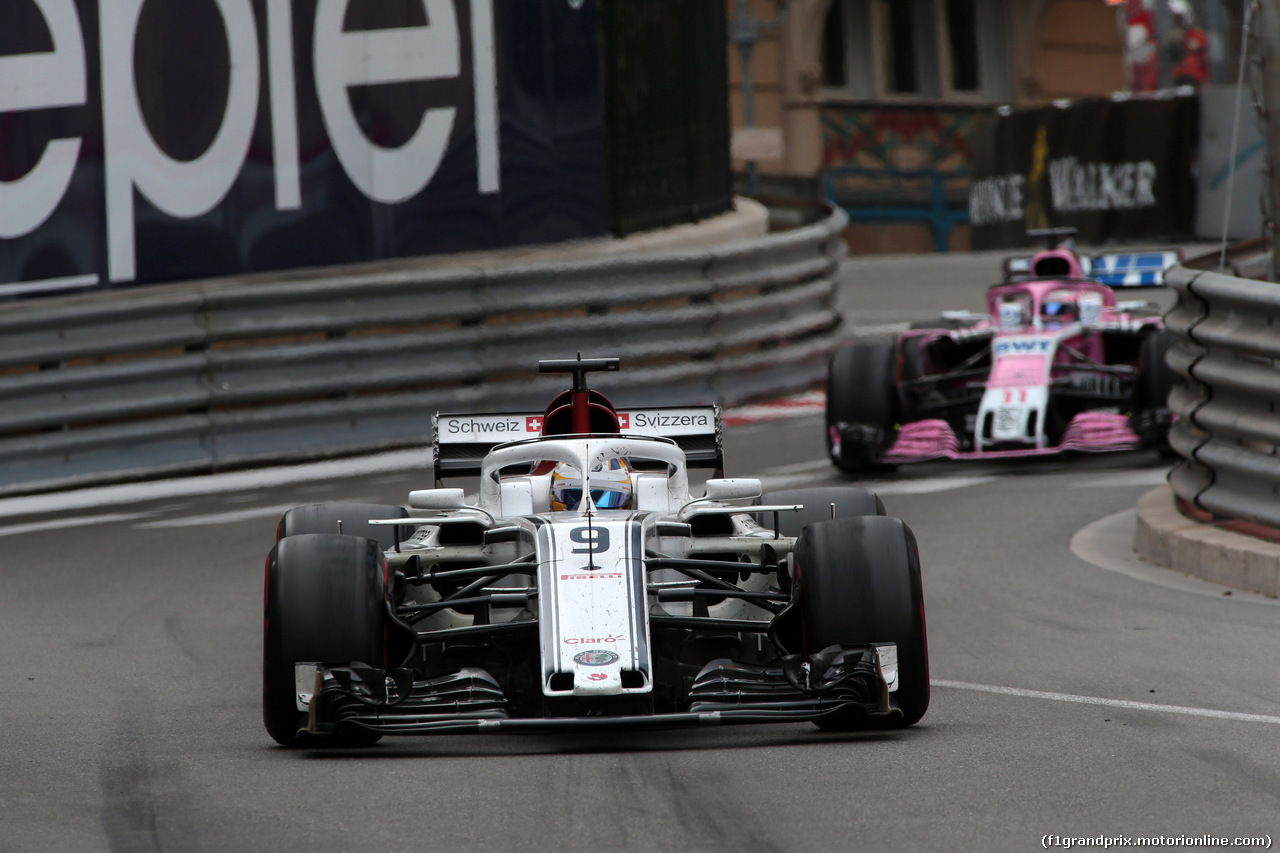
(1228, 429)
(207, 375)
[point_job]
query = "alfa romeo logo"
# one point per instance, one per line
(595, 657)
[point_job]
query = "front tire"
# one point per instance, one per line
(860, 584)
(325, 602)
(862, 391)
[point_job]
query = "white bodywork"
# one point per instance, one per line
(1017, 392)
(591, 605)
(593, 591)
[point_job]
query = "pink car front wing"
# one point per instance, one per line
(1090, 432)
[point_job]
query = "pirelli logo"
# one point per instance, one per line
(592, 576)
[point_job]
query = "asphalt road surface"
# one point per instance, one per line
(1076, 692)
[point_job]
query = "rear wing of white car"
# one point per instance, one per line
(1114, 269)
(461, 441)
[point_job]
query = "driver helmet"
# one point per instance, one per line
(1061, 310)
(610, 483)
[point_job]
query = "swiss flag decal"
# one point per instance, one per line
(533, 424)
(624, 421)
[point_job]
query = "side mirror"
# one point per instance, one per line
(736, 489)
(437, 499)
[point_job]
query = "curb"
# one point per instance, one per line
(1168, 538)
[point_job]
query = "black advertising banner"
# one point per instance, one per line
(666, 111)
(158, 140)
(1118, 169)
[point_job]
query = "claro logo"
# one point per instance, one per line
(186, 189)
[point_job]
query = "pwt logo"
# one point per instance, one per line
(1022, 346)
(185, 189)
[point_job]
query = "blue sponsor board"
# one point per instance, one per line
(1136, 269)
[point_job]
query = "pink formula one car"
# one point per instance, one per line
(1057, 364)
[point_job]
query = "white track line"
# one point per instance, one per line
(66, 523)
(929, 486)
(219, 517)
(799, 468)
(209, 484)
(773, 484)
(1108, 703)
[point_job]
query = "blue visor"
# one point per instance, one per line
(609, 499)
(602, 498)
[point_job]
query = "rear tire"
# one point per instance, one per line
(325, 602)
(352, 518)
(862, 389)
(850, 502)
(860, 584)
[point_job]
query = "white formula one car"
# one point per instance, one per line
(584, 586)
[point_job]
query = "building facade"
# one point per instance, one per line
(875, 102)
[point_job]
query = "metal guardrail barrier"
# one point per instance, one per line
(203, 376)
(1228, 431)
